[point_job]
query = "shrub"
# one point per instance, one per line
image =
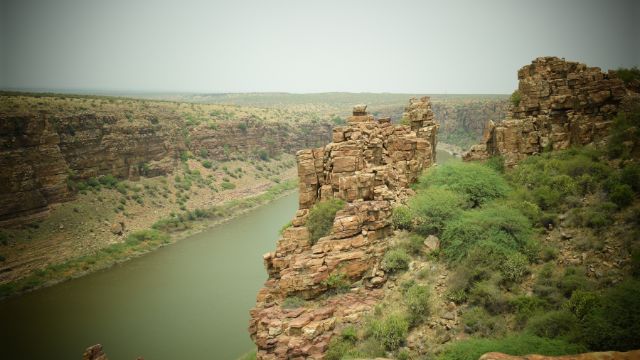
(496, 163)
(413, 244)
(621, 195)
(515, 267)
(396, 260)
(623, 139)
(146, 235)
(488, 295)
(390, 331)
(501, 225)
(285, 227)
(292, 302)
(417, 299)
(515, 98)
(263, 155)
(552, 324)
(630, 175)
(432, 207)
(337, 282)
(401, 218)
(479, 322)
(628, 74)
(207, 164)
(108, 180)
(525, 307)
(476, 182)
(321, 218)
(615, 323)
(226, 185)
(472, 349)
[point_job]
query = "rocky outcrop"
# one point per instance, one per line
(42, 154)
(369, 164)
(607, 355)
(562, 103)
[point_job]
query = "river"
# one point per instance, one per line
(189, 300)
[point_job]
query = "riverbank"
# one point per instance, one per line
(163, 232)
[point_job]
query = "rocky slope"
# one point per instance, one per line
(562, 103)
(46, 146)
(369, 164)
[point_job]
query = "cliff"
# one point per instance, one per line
(562, 103)
(462, 120)
(369, 165)
(44, 151)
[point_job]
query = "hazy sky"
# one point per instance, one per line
(304, 46)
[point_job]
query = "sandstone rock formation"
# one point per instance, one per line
(41, 152)
(607, 355)
(369, 164)
(562, 103)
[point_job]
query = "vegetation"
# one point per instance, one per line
(628, 74)
(139, 242)
(515, 98)
(321, 218)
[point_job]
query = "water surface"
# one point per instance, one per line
(189, 300)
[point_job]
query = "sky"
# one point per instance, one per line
(401, 46)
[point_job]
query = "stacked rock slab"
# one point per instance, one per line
(562, 103)
(370, 165)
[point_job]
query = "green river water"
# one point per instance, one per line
(189, 300)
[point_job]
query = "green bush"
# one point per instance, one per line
(402, 218)
(479, 322)
(488, 295)
(321, 218)
(432, 207)
(417, 298)
(337, 282)
(413, 244)
(226, 185)
(630, 175)
(146, 235)
(553, 324)
(292, 302)
(472, 349)
(628, 74)
(514, 267)
(396, 260)
(390, 331)
(624, 139)
(207, 164)
(615, 323)
(501, 225)
(526, 307)
(476, 182)
(496, 163)
(622, 195)
(108, 180)
(515, 98)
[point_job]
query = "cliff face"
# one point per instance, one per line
(41, 152)
(369, 164)
(246, 137)
(562, 103)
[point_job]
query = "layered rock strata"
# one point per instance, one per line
(562, 103)
(369, 165)
(41, 153)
